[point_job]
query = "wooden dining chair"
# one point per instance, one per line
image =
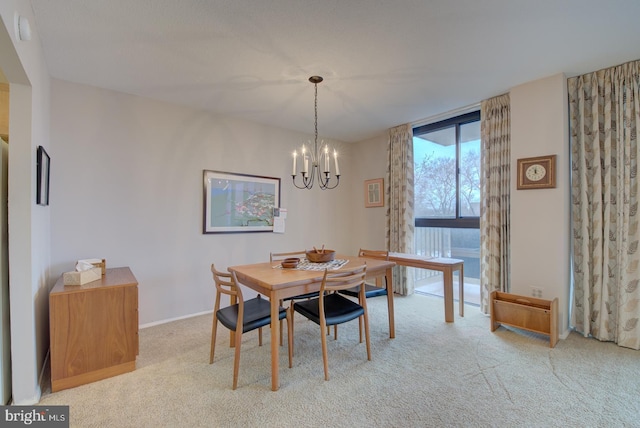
(332, 308)
(242, 316)
(278, 257)
(371, 290)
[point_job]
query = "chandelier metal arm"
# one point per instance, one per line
(323, 183)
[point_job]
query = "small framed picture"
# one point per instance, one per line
(42, 182)
(374, 193)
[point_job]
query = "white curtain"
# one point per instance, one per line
(495, 124)
(604, 109)
(400, 221)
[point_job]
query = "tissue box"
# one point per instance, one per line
(99, 263)
(102, 265)
(80, 278)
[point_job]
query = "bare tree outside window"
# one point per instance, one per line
(435, 185)
(470, 183)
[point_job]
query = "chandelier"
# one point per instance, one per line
(315, 161)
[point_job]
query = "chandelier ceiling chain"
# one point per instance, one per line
(319, 159)
(315, 109)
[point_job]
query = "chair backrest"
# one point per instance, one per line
(276, 257)
(225, 283)
(343, 280)
(374, 253)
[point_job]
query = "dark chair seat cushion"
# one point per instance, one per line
(369, 291)
(337, 309)
(257, 313)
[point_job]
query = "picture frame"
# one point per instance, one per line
(239, 203)
(537, 172)
(374, 193)
(43, 173)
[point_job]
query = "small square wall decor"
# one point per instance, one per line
(374, 193)
(537, 172)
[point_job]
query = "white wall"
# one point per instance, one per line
(369, 161)
(23, 64)
(127, 186)
(540, 246)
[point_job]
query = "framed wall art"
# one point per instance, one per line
(537, 172)
(236, 203)
(374, 193)
(42, 181)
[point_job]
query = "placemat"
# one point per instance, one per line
(307, 265)
(332, 265)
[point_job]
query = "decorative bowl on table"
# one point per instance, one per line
(320, 256)
(290, 263)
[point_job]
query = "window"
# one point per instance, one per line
(447, 175)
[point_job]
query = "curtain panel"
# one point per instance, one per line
(400, 221)
(604, 110)
(495, 128)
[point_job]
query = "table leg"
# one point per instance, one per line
(275, 344)
(461, 286)
(448, 294)
(392, 325)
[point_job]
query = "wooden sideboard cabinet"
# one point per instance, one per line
(93, 329)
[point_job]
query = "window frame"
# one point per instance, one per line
(458, 221)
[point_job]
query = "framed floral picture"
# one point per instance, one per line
(236, 203)
(374, 193)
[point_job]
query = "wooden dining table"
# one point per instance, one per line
(276, 283)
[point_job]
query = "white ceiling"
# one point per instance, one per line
(385, 62)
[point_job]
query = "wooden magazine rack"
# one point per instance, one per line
(527, 313)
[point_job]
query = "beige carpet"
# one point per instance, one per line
(433, 374)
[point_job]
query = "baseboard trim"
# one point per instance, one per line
(151, 324)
